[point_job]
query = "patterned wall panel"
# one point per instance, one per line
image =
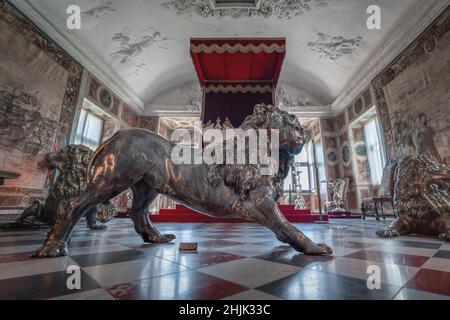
(130, 117)
(103, 97)
(353, 161)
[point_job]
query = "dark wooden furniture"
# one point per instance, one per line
(7, 175)
(386, 192)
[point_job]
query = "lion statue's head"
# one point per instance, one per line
(422, 187)
(71, 179)
(246, 177)
(71, 163)
(292, 134)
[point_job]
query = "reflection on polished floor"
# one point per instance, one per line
(234, 261)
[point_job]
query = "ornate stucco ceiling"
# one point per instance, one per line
(143, 45)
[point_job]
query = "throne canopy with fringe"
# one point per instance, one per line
(236, 74)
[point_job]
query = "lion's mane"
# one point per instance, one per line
(243, 178)
(416, 193)
(72, 174)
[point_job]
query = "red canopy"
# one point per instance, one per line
(236, 74)
(242, 60)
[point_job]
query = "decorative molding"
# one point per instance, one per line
(411, 28)
(237, 89)
(77, 49)
(170, 111)
(305, 112)
(227, 48)
(311, 111)
(282, 9)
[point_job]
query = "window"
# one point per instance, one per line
(305, 166)
(312, 180)
(89, 131)
(374, 150)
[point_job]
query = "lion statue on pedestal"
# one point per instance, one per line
(142, 160)
(421, 199)
(68, 169)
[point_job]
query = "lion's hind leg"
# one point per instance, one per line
(399, 227)
(445, 235)
(439, 227)
(56, 243)
(91, 220)
(142, 198)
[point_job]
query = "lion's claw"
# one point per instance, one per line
(445, 236)
(387, 233)
(51, 250)
(98, 227)
(159, 239)
(318, 249)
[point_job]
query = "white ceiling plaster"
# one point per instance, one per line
(145, 45)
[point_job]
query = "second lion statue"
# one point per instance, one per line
(421, 199)
(141, 160)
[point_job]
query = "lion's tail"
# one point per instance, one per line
(94, 158)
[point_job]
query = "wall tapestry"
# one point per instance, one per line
(39, 88)
(414, 97)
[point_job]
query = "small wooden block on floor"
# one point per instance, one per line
(188, 247)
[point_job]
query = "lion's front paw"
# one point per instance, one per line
(318, 249)
(387, 233)
(445, 236)
(51, 250)
(159, 239)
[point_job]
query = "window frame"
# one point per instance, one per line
(376, 121)
(80, 138)
(307, 165)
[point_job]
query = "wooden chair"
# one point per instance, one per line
(386, 191)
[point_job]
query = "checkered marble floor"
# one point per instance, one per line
(234, 261)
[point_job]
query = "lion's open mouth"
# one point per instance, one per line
(442, 175)
(442, 178)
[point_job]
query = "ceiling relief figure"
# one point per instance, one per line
(100, 10)
(282, 9)
(334, 47)
(195, 105)
(185, 98)
(287, 100)
(131, 46)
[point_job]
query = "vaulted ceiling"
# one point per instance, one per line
(141, 47)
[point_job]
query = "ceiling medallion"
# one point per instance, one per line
(282, 9)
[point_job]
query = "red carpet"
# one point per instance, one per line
(183, 214)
